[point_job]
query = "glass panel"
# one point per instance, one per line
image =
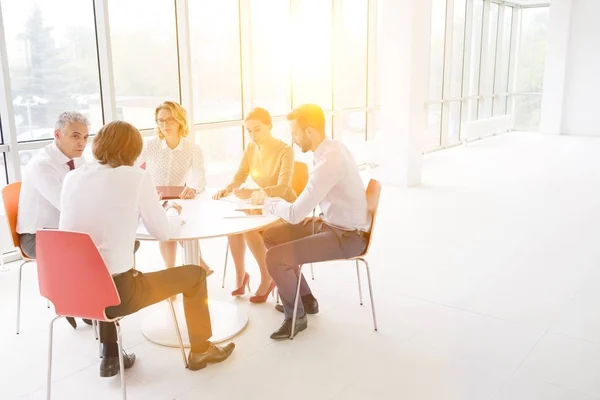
(458, 50)
(532, 49)
(281, 130)
(312, 53)
(502, 73)
(475, 61)
(351, 55)
(144, 50)
(53, 63)
(527, 112)
(270, 29)
(215, 43)
(434, 126)
(352, 133)
(26, 155)
(222, 148)
(436, 66)
(488, 74)
(454, 123)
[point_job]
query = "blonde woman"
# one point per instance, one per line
(172, 160)
(270, 164)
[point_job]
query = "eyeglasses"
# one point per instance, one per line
(166, 121)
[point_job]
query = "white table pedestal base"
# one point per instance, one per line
(227, 321)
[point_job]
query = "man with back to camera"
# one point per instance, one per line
(341, 231)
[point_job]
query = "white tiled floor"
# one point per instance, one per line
(486, 283)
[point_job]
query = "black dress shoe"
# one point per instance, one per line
(285, 330)
(87, 321)
(310, 304)
(110, 364)
(214, 354)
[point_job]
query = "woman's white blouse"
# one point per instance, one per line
(183, 165)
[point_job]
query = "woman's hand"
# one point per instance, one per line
(187, 193)
(220, 193)
(243, 193)
(258, 197)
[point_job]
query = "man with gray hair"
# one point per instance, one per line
(39, 201)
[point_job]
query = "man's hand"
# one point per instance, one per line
(243, 193)
(187, 193)
(221, 193)
(175, 206)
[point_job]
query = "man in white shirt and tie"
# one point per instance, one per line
(341, 231)
(39, 201)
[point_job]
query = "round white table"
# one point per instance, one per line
(202, 218)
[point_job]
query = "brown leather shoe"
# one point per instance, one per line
(214, 354)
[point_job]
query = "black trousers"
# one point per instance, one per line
(138, 290)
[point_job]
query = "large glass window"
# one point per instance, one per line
(144, 50)
(488, 73)
(312, 55)
(475, 60)
(350, 61)
(215, 42)
(456, 70)
(530, 68)
(271, 62)
(436, 73)
(501, 88)
(52, 62)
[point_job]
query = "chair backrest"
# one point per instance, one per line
(10, 196)
(373, 194)
(73, 276)
(299, 177)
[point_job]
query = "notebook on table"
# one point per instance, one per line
(169, 192)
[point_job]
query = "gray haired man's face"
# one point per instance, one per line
(73, 139)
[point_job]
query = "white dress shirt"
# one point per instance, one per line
(39, 201)
(183, 165)
(107, 203)
(335, 185)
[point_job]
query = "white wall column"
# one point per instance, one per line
(559, 27)
(404, 77)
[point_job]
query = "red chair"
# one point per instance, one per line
(73, 276)
(373, 193)
(10, 196)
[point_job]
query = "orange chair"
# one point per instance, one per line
(373, 193)
(299, 181)
(72, 274)
(10, 196)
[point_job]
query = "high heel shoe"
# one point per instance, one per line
(242, 289)
(262, 298)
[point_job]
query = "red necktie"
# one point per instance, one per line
(71, 165)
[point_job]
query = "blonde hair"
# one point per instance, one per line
(117, 143)
(178, 113)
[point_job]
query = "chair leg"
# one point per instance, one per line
(312, 272)
(225, 267)
(178, 332)
(370, 293)
(276, 291)
(359, 285)
(97, 335)
(296, 298)
(49, 378)
(47, 303)
(19, 294)
(121, 361)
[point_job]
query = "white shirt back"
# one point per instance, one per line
(39, 201)
(335, 185)
(107, 203)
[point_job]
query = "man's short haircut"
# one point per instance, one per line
(308, 116)
(117, 143)
(66, 117)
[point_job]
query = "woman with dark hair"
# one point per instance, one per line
(106, 199)
(270, 163)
